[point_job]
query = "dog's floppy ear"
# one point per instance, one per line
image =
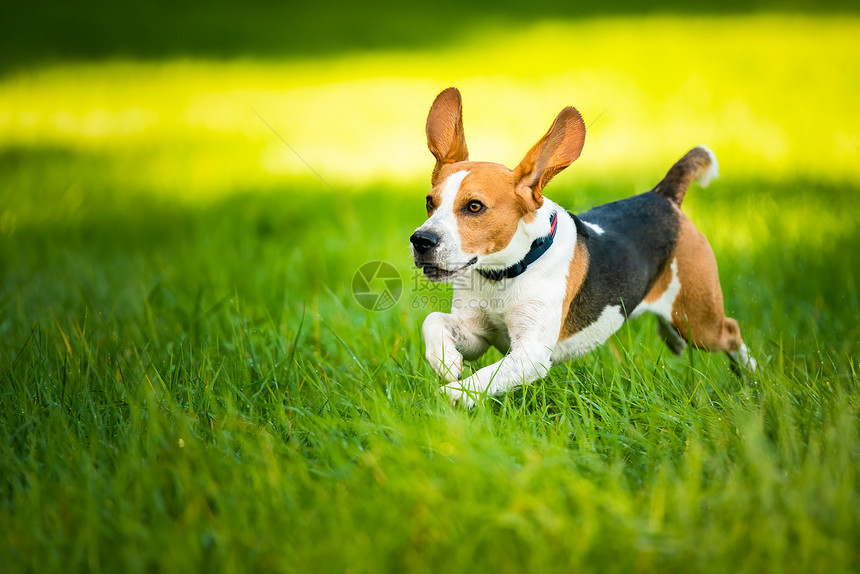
(559, 148)
(445, 137)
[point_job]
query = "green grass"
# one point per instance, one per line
(187, 384)
(189, 388)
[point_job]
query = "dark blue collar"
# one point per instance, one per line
(538, 248)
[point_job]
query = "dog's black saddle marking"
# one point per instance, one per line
(639, 236)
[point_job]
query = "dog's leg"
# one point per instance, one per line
(697, 313)
(735, 347)
(723, 334)
(534, 333)
(524, 364)
(440, 350)
(448, 339)
(712, 332)
(670, 336)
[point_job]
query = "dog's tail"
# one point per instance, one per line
(699, 163)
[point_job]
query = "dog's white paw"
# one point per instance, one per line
(745, 359)
(457, 394)
(450, 370)
(752, 365)
(440, 350)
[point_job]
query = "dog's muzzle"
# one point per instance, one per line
(426, 256)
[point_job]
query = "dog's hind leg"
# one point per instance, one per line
(697, 312)
(738, 352)
(670, 336)
(710, 333)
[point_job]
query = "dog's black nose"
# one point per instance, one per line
(424, 241)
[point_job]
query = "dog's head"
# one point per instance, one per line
(475, 208)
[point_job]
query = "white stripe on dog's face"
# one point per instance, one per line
(443, 223)
(443, 218)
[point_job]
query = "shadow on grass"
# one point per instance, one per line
(38, 33)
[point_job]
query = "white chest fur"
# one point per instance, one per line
(529, 303)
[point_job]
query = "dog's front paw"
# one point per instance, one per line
(449, 369)
(441, 352)
(457, 394)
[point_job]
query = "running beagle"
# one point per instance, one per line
(543, 285)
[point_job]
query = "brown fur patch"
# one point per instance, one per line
(698, 313)
(445, 137)
(575, 278)
(556, 150)
(435, 196)
(493, 185)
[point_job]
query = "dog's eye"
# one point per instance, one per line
(429, 203)
(475, 206)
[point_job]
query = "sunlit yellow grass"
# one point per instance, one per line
(775, 96)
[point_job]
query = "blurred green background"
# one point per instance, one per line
(188, 384)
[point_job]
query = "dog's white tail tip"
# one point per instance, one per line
(706, 176)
